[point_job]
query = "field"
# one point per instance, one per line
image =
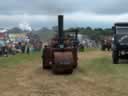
(21, 75)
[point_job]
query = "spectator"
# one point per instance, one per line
(28, 48)
(0, 51)
(5, 51)
(23, 47)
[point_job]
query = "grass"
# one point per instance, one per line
(95, 76)
(90, 49)
(103, 65)
(11, 61)
(98, 65)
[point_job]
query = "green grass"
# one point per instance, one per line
(96, 66)
(102, 66)
(90, 49)
(96, 73)
(18, 59)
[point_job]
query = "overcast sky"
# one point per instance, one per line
(39, 13)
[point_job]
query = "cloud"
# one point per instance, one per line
(77, 12)
(63, 6)
(74, 19)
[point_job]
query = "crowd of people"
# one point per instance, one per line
(13, 48)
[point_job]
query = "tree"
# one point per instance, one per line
(89, 28)
(15, 30)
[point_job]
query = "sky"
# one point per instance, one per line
(77, 13)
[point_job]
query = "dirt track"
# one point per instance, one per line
(31, 80)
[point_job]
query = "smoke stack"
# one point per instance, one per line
(60, 28)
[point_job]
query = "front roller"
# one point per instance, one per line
(62, 69)
(63, 62)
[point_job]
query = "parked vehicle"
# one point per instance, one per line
(120, 42)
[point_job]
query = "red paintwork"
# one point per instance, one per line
(53, 55)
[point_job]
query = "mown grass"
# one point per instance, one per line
(95, 75)
(100, 65)
(103, 66)
(17, 59)
(91, 49)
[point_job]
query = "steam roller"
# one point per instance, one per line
(60, 55)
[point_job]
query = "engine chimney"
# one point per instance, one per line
(60, 29)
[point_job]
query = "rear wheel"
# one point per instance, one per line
(45, 64)
(115, 57)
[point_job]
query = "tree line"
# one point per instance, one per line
(93, 33)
